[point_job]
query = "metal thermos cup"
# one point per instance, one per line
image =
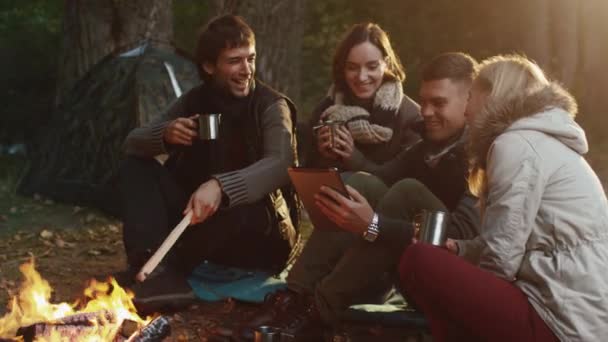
(267, 334)
(209, 126)
(431, 227)
(333, 130)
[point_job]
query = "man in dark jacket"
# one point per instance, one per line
(340, 268)
(231, 185)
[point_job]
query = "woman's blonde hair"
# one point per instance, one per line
(505, 78)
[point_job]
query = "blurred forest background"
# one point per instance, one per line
(45, 46)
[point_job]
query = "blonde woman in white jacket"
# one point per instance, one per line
(539, 269)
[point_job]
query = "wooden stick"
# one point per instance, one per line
(160, 253)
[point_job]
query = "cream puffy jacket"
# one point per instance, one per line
(545, 224)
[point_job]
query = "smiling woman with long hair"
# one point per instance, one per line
(538, 269)
(367, 95)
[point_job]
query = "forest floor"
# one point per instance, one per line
(72, 245)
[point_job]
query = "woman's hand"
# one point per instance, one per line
(344, 144)
(181, 131)
(353, 215)
(451, 246)
(324, 143)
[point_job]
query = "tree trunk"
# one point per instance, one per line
(96, 28)
(566, 45)
(279, 28)
(537, 38)
(592, 71)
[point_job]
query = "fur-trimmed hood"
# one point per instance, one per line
(550, 110)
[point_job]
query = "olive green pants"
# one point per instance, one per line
(342, 269)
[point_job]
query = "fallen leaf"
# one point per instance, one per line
(59, 242)
(17, 237)
(46, 234)
(113, 228)
(228, 306)
(45, 253)
(89, 218)
(76, 209)
(105, 250)
(94, 252)
(13, 210)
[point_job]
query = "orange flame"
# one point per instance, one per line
(32, 306)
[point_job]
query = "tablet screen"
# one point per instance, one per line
(308, 182)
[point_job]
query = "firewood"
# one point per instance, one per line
(156, 330)
(88, 318)
(67, 332)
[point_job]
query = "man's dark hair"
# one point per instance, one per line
(456, 66)
(226, 31)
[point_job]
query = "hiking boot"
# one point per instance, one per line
(302, 322)
(274, 306)
(293, 313)
(165, 291)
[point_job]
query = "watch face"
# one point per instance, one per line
(370, 236)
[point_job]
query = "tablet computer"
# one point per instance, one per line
(308, 182)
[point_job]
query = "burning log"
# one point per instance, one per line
(156, 330)
(65, 332)
(88, 318)
(74, 327)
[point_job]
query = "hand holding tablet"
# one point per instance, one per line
(330, 205)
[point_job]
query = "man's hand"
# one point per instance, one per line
(351, 215)
(181, 131)
(205, 201)
(345, 144)
(324, 143)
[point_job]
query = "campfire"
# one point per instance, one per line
(107, 313)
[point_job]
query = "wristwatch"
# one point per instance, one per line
(371, 234)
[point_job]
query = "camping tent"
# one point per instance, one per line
(79, 151)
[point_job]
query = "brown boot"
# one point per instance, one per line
(295, 315)
(302, 322)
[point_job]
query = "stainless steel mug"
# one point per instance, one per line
(431, 227)
(333, 130)
(209, 126)
(267, 333)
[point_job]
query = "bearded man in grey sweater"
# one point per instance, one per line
(232, 185)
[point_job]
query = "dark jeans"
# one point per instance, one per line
(152, 204)
(466, 303)
(342, 269)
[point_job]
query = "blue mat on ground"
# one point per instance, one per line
(212, 282)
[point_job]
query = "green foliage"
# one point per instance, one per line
(325, 25)
(11, 172)
(188, 16)
(29, 36)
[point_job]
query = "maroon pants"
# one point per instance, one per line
(465, 303)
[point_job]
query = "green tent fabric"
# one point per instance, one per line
(80, 149)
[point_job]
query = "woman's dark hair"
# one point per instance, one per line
(226, 31)
(360, 33)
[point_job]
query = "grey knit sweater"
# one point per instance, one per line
(242, 186)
